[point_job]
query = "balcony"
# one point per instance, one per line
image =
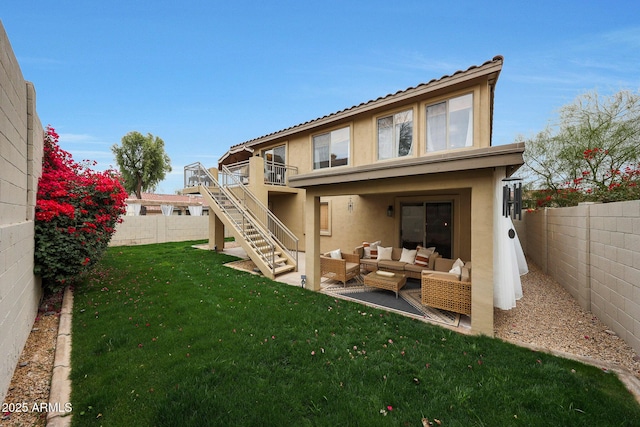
(273, 173)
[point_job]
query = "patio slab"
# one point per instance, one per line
(382, 300)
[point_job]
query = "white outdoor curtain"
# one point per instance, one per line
(133, 209)
(167, 210)
(195, 210)
(509, 262)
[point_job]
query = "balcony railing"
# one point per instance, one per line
(274, 173)
(278, 173)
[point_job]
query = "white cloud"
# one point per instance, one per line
(81, 138)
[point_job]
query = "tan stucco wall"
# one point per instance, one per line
(363, 149)
(473, 194)
(21, 137)
(592, 251)
(148, 229)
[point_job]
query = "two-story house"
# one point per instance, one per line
(415, 167)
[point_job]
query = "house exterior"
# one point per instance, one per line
(411, 168)
(187, 204)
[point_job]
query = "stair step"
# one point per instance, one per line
(284, 269)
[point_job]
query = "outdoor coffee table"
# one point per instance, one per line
(385, 280)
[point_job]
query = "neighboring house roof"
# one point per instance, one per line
(492, 66)
(152, 199)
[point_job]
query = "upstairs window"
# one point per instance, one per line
(331, 149)
(395, 135)
(450, 124)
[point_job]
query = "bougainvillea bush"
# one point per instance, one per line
(598, 182)
(77, 209)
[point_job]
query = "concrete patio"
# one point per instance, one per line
(381, 299)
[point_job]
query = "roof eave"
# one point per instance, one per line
(490, 68)
(509, 156)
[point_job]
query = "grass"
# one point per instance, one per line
(165, 335)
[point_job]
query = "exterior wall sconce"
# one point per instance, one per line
(350, 205)
(512, 198)
(390, 211)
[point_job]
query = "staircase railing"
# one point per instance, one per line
(281, 234)
(196, 174)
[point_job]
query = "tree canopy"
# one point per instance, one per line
(590, 154)
(142, 161)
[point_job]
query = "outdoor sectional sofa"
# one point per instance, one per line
(395, 264)
(441, 288)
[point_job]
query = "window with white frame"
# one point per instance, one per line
(450, 124)
(331, 149)
(395, 135)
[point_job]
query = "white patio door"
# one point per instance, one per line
(427, 224)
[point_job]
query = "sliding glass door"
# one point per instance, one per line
(427, 224)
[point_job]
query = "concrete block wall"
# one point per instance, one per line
(568, 251)
(532, 231)
(148, 229)
(615, 268)
(21, 137)
(593, 251)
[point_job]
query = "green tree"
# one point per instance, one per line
(142, 161)
(590, 154)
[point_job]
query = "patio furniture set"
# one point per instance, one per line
(445, 283)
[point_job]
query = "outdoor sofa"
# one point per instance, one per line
(401, 261)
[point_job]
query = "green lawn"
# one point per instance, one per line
(165, 335)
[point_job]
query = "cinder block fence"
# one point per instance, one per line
(21, 138)
(593, 250)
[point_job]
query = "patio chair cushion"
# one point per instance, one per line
(367, 262)
(391, 264)
(444, 275)
(466, 272)
(443, 264)
(414, 268)
(352, 267)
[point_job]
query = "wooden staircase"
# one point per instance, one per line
(259, 243)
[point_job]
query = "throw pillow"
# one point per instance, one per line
(336, 254)
(384, 254)
(374, 249)
(367, 252)
(456, 268)
(408, 256)
(422, 256)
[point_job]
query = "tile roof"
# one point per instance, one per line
(496, 60)
(173, 199)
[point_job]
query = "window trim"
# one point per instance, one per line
(347, 126)
(392, 114)
(447, 100)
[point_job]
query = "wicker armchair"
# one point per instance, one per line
(441, 291)
(341, 270)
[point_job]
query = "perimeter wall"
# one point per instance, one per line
(593, 251)
(21, 138)
(148, 229)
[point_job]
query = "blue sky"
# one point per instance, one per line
(205, 75)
